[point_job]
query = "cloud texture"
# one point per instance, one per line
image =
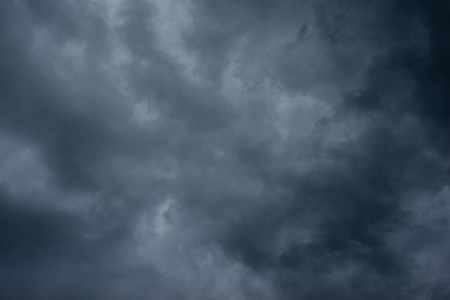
(241, 149)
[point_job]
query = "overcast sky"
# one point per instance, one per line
(224, 149)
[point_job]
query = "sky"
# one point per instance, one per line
(224, 150)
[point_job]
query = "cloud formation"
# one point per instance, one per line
(193, 149)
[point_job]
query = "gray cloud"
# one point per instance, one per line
(224, 150)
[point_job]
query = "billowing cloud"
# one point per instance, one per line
(192, 149)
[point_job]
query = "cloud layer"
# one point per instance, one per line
(193, 149)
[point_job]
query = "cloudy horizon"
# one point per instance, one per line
(229, 150)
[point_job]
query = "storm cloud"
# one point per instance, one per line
(198, 149)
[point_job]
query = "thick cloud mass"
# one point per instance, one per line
(241, 149)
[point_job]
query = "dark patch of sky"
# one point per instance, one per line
(196, 149)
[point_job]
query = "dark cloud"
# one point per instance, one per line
(224, 150)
